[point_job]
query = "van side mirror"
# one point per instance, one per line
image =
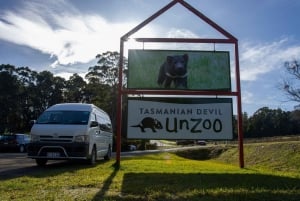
(31, 122)
(94, 124)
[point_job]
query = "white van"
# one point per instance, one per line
(71, 131)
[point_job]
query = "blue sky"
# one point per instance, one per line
(64, 36)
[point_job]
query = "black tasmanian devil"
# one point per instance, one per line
(149, 122)
(174, 69)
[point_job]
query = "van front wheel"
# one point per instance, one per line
(93, 158)
(22, 148)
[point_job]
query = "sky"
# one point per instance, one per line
(64, 36)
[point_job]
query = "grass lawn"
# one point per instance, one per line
(166, 176)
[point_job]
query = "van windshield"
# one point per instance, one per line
(64, 117)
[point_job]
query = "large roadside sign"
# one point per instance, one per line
(176, 88)
(180, 118)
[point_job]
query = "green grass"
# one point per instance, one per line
(185, 175)
(273, 156)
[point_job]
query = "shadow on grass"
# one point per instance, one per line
(203, 153)
(106, 184)
(159, 186)
(52, 168)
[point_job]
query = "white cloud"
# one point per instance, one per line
(67, 75)
(181, 33)
(259, 59)
(69, 37)
(247, 97)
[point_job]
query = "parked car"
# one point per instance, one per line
(185, 142)
(201, 142)
(14, 142)
(131, 147)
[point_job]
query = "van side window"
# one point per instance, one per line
(104, 122)
(93, 117)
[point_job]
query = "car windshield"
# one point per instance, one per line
(64, 117)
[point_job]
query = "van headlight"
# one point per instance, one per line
(81, 138)
(34, 138)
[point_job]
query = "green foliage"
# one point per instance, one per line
(267, 122)
(106, 70)
(75, 89)
(273, 156)
(9, 91)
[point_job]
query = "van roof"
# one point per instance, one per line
(73, 106)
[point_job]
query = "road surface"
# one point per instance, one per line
(14, 165)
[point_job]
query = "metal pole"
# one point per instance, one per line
(119, 105)
(239, 108)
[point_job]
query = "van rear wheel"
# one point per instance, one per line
(108, 155)
(41, 161)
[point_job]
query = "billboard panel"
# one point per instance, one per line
(176, 69)
(180, 118)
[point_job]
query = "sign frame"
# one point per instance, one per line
(226, 38)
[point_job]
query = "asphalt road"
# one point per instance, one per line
(14, 165)
(14, 161)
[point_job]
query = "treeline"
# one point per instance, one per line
(25, 94)
(267, 122)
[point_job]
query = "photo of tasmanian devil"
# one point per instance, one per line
(149, 122)
(174, 69)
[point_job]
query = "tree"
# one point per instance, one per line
(106, 70)
(24, 94)
(266, 122)
(294, 117)
(48, 90)
(291, 89)
(26, 76)
(75, 89)
(103, 82)
(27, 79)
(9, 96)
(245, 122)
